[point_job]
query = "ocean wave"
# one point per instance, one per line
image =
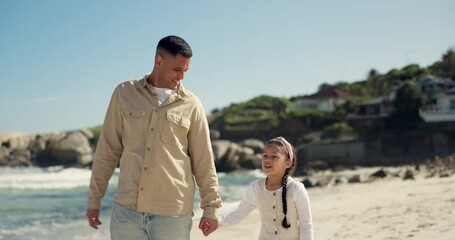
(43, 178)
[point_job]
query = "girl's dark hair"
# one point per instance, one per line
(284, 181)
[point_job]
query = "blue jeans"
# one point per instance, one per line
(129, 224)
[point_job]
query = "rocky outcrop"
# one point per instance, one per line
(76, 149)
(61, 148)
(231, 156)
(436, 167)
(73, 148)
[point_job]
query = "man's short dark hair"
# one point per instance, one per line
(175, 45)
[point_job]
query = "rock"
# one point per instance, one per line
(408, 175)
(226, 155)
(255, 144)
(4, 155)
(16, 140)
(214, 134)
(231, 158)
(245, 152)
(325, 181)
(250, 161)
(444, 175)
(19, 157)
(354, 179)
(72, 149)
(308, 183)
(341, 180)
(219, 148)
(379, 174)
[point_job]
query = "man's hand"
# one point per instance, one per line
(93, 217)
(208, 225)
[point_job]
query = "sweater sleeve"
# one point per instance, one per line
(302, 203)
(245, 207)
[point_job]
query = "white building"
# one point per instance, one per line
(443, 109)
(326, 99)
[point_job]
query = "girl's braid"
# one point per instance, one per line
(284, 182)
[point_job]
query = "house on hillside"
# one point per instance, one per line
(441, 109)
(326, 99)
(372, 112)
(439, 99)
(432, 85)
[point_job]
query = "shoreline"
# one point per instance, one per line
(389, 208)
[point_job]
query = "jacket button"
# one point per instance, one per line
(151, 129)
(148, 149)
(274, 220)
(276, 232)
(273, 207)
(274, 193)
(145, 168)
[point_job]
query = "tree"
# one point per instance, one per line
(337, 130)
(253, 117)
(406, 105)
(324, 85)
(372, 74)
(446, 67)
(410, 72)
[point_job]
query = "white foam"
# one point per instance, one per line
(78, 229)
(43, 178)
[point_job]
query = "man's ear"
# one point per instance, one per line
(158, 60)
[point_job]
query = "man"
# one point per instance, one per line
(157, 131)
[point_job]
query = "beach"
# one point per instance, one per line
(390, 208)
(49, 203)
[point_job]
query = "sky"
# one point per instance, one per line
(61, 60)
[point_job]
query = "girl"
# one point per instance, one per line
(283, 202)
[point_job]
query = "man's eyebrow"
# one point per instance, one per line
(181, 68)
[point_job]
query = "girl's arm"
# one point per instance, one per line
(248, 203)
(302, 203)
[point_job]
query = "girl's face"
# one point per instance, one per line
(275, 160)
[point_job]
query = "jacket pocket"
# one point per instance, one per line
(134, 123)
(175, 130)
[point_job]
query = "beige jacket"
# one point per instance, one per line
(162, 151)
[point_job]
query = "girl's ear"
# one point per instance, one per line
(288, 163)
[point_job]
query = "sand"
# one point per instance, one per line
(389, 208)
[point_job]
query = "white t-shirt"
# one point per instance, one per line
(162, 93)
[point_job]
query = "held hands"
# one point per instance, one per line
(93, 217)
(208, 225)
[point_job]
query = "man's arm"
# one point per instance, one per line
(203, 166)
(107, 155)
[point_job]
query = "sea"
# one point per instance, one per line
(50, 203)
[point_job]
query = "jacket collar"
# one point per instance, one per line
(181, 91)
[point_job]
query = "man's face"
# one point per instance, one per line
(171, 70)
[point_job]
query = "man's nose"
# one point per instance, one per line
(181, 75)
